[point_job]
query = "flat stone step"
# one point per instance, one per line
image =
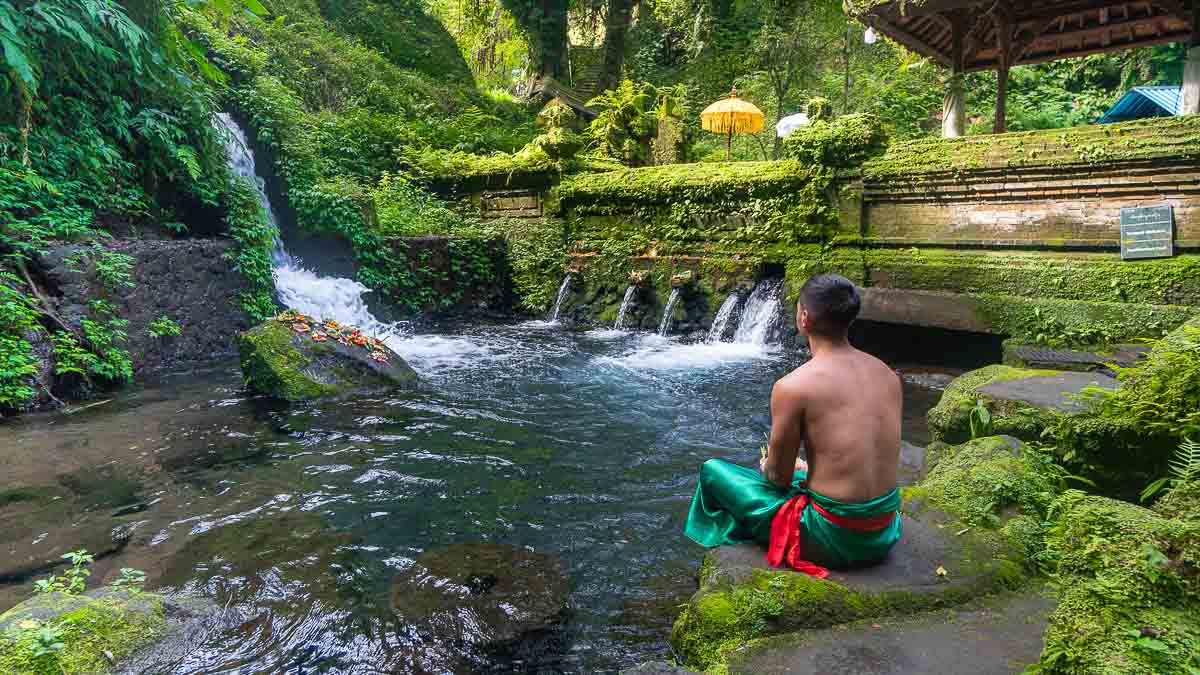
(1052, 392)
(928, 542)
(1032, 356)
(998, 636)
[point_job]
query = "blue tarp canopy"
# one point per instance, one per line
(1142, 102)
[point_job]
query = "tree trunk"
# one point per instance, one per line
(616, 27)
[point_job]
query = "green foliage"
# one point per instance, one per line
(130, 579)
(626, 122)
(164, 326)
(18, 364)
(537, 253)
(74, 580)
(1184, 468)
(843, 142)
(253, 237)
(1161, 394)
(980, 420)
(1129, 599)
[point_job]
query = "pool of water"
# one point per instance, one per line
(583, 446)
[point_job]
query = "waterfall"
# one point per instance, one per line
(763, 312)
(619, 324)
(562, 293)
(298, 288)
(717, 332)
(668, 313)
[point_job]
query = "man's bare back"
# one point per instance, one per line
(845, 407)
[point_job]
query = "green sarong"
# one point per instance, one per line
(736, 505)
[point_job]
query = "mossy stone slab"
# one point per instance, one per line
(996, 638)
(742, 598)
(911, 569)
(1057, 392)
(1022, 402)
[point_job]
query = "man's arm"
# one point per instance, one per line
(787, 433)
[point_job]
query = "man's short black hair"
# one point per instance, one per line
(832, 302)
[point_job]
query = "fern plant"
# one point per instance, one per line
(1184, 468)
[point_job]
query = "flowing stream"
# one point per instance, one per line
(562, 293)
(716, 333)
(631, 291)
(299, 288)
(763, 314)
(664, 326)
(298, 520)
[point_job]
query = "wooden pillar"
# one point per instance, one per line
(1189, 103)
(1004, 47)
(954, 106)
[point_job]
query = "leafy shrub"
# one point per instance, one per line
(164, 326)
(846, 141)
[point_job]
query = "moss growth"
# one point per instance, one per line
(1066, 276)
(843, 142)
(118, 623)
(1132, 591)
(1165, 138)
(732, 607)
(949, 420)
(984, 480)
(273, 365)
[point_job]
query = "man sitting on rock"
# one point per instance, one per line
(844, 406)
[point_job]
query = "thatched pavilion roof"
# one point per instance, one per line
(1040, 30)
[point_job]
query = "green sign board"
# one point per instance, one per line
(1147, 232)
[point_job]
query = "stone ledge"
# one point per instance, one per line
(993, 638)
(741, 598)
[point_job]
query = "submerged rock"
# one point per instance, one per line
(495, 598)
(297, 358)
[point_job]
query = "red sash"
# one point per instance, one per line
(785, 533)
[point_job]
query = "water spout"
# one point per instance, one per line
(619, 324)
(763, 313)
(562, 293)
(716, 333)
(298, 288)
(669, 312)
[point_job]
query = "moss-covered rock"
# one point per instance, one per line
(87, 626)
(950, 420)
(1132, 580)
(1181, 502)
(296, 358)
(993, 483)
(741, 598)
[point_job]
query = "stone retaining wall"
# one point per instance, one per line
(189, 281)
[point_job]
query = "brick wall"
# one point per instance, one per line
(1074, 205)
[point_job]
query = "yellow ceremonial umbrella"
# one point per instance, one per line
(732, 116)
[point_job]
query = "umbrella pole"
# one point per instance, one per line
(729, 144)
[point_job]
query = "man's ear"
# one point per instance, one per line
(802, 320)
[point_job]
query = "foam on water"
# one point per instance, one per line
(721, 321)
(763, 313)
(654, 352)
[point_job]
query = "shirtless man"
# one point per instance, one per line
(844, 407)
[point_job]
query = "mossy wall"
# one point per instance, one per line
(1038, 259)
